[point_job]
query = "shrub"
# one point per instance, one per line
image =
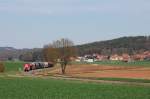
(2, 67)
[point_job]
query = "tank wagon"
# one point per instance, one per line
(37, 65)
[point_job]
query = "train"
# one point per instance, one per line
(37, 65)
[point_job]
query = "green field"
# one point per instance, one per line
(119, 63)
(11, 67)
(124, 80)
(38, 88)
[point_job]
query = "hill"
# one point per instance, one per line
(11, 53)
(121, 45)
(7, 52)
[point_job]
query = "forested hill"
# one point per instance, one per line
(117, 46)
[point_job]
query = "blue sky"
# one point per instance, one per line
(33, 23)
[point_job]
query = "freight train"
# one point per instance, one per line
(37, 65)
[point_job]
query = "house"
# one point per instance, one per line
(142, 56)
(138, 57)
(116, 57)
(147, 55)
(89, 60)
(102, 57)
(126, 57)
(78, 59)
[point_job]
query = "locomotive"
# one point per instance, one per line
(37, 65)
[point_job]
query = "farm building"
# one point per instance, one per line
(116, 58)
(126, 57)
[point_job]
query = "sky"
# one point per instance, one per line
(34, 23)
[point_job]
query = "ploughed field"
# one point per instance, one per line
(46, 88)
(136, 70)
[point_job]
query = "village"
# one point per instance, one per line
(115, 57)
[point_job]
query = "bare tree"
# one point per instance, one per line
(60, 51)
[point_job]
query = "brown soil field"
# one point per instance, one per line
(100, 71)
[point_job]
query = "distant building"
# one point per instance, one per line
(126, 57)
(141, 56)
(116, 58)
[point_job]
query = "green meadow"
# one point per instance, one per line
(12, 67)
(40, 88)
(118, 63)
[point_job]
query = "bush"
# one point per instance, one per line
(2, 67)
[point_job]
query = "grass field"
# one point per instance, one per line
(13, 66)
(36, 88)
(125, 80)
(119, 63)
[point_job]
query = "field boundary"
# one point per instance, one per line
(100, 80)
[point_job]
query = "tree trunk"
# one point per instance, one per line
(63, 68)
